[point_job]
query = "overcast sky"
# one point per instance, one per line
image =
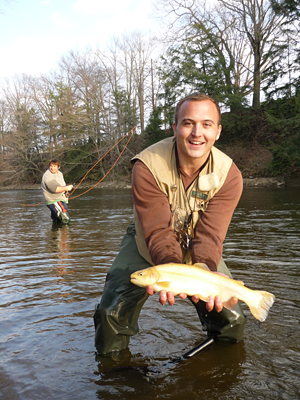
(35, 33)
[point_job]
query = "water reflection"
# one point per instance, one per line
(201, 374)
(59, 244)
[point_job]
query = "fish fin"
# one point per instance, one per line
(202, 266)
(260, 311)
(240, 282)
(164, 284)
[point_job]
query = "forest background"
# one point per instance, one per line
(244, 53)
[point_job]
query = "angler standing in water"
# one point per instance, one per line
(185, 192)
(54, 190)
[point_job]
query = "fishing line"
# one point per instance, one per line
(132, 131)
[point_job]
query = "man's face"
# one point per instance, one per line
(54, 168)
(196, 131)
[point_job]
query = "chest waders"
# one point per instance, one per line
(62, 212)
(59, 212)
(117, 313)
(116, 316)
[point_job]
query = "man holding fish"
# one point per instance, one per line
(185, 192)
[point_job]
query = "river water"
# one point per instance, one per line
(52, 277)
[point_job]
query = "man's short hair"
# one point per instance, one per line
(54, 161)
(196, 97)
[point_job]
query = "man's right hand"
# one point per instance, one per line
(169, 297)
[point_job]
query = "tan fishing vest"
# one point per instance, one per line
(186, 207)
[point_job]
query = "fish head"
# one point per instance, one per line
(145, 277)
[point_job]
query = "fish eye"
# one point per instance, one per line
(141, 274)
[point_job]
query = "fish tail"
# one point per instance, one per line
(261, 309)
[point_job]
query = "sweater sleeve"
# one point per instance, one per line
(212, 227)
(154, 214)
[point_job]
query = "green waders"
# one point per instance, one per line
(224, 325)
(116, 316)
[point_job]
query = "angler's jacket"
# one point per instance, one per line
(160, 159)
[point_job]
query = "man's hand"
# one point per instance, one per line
(165, 296)
(69, 188)
(216, 302)
(61, 189)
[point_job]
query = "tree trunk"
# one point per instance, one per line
(256, 76)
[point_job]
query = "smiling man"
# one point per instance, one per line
(184, 191)
(196, 130)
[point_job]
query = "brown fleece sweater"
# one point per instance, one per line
(153, 210)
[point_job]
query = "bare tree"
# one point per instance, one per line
(91, 89)
(138, 53)
(22, 138)
(79, 110)
(247, 37)
(262, 27)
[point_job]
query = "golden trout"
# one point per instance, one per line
(199, 280)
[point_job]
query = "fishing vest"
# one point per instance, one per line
(186, 206)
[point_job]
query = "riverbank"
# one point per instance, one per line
(248, 182)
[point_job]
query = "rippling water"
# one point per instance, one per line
(51, 278)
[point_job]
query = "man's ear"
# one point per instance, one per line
(219, 133)
(174, 129)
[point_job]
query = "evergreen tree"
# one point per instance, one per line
(154, 132)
